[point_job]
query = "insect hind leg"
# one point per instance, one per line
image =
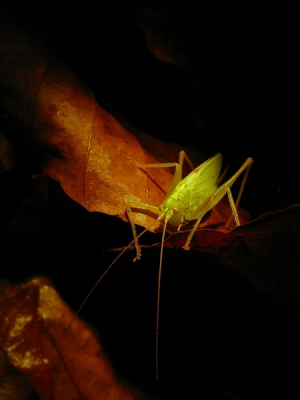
(234, 205)
(233, 208)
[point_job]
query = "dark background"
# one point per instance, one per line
(238, 94)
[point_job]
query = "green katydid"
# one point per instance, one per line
(187, 200)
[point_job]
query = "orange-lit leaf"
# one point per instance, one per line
(265, 250)
(79, 144)
(59, 366)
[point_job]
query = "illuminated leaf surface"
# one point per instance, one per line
(82, 146)
(58, 365)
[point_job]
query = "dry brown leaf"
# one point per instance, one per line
(59, 365)
(264, 250)
(79, 144)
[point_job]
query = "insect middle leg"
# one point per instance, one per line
(219, 194)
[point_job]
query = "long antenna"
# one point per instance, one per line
(103, 275)
(158, 296)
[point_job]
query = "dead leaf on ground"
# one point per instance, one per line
(79, 144)
(60, 366)
(265, 250)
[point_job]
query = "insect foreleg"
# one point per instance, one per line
(142, 206)
(136, 243)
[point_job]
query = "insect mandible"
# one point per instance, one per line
(187, 200)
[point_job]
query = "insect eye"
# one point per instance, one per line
(175, 209)
(161, 207)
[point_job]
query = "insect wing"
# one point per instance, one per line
(202, 182)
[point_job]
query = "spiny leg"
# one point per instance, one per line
(208, 207)
(218, 195)
(136, 243)
(225, 189)
(142, 206)
(239, 195)
(233, 207)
